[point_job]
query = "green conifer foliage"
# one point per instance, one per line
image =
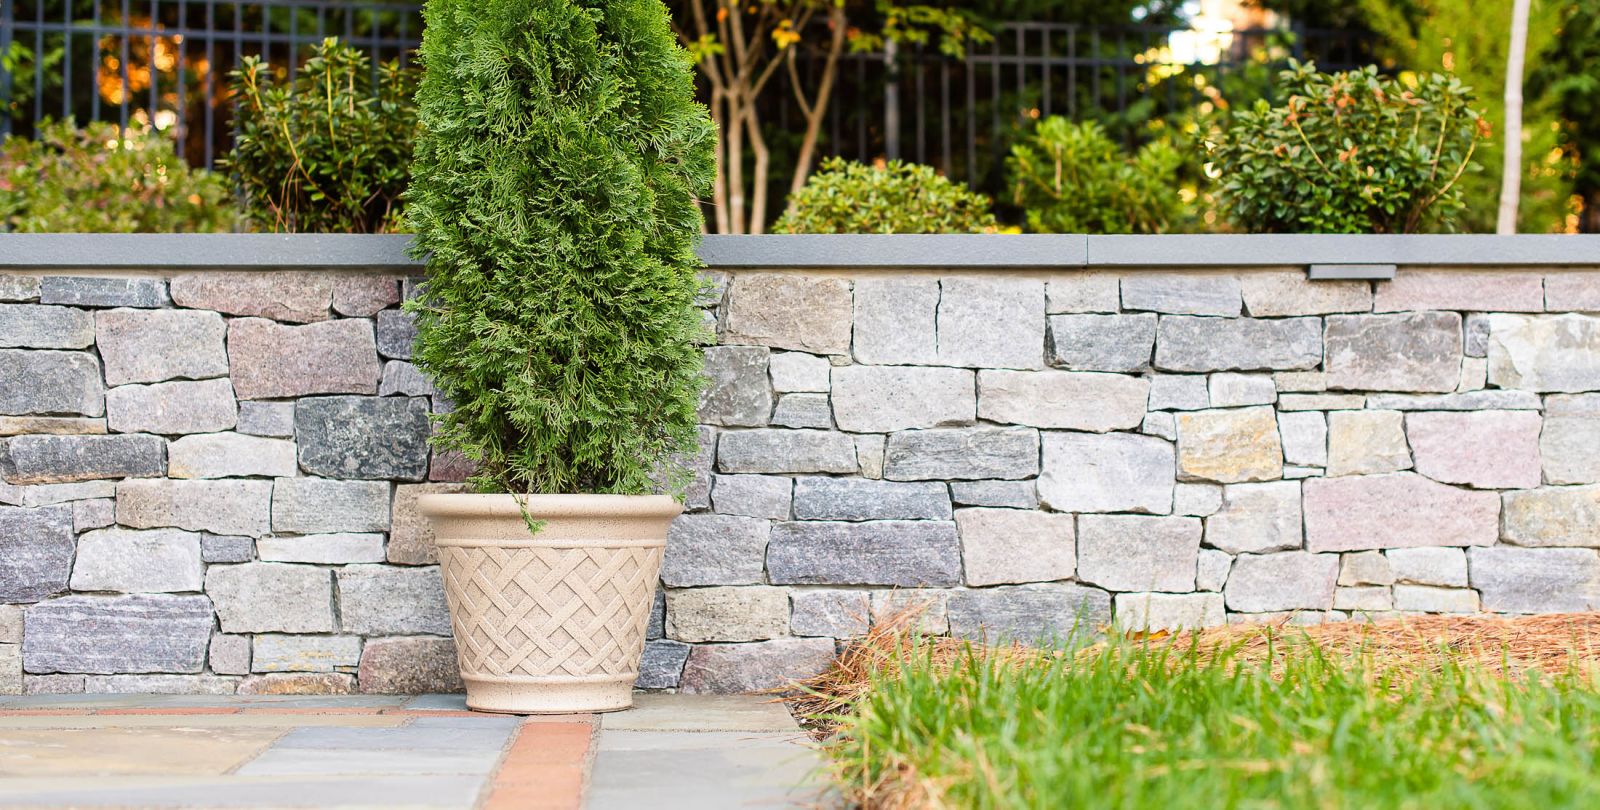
(554, 196)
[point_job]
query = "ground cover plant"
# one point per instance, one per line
(554, 197)
(1481, 713)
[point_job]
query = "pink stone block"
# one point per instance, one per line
(1572, 291)
(1396, 510)
(1471, 291)
(1484, 449)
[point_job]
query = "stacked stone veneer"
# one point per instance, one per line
(212, 477)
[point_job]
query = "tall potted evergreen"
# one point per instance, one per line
(554, 197)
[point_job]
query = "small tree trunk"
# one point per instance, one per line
(733, 153)
(719, 187)
(1511, 171)
(819, 105)
(758, 191)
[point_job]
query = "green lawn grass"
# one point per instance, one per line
(1158, 725)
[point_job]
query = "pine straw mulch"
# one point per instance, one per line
(1506, 646)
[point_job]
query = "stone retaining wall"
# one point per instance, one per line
(209, 477)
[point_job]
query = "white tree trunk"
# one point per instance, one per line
(1511, 172)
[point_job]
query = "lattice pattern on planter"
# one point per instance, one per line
(549, 611)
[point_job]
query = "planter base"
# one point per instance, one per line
(532, 697)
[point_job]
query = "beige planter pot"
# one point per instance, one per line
(552, 622)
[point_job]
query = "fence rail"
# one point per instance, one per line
(165, 63)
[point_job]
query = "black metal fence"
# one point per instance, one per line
(165, 63)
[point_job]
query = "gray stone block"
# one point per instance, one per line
(830, 613)
(728, 613)
(785, 451)
(803, 313)
(229, 655)
(1083, 292)
(35, 326)
(96, 513)
(404, 379)
(410, 532)
(1257, 518)
(879, 399)
(1178, 392)
(281, 653)
(1552, 516)
(1418, 351)
(1365, 568)
(35, 552)
(1008, 494)
(321, 506)
(1277, 293)
(715, 550)
(273, 419)
(322, 549)
(1305, 438)
(1113, 472)
(270, 361)
(293, 297)
(1000, 546)
(261, 597)
(1535, 580)
(798, 371)
(661, 667)
(409, 666)
(49, 494)
(49, 382)
(104, 291)
(1182, 293)
(1545, 352)
(145, 346)
(129, 561)
(1429, 599)
(856, 499)
(761, 496)
(1212, 570)
(1138, 553)
(1232, 389)
(219, 507)
(962, 454)
(895, 320)
(1068, 400)
(658, 616)
(363, 437)
(1057, 614)
(1569, 449)
(803, 411)
(726, 669)
(697, 495)
(230, 455)
(52, 459)
(1440, 567)
(1171, 612)
(991, 322)
(217, 548)
(169, 408)
(116, 634)
(1102, 342)
(737, 391)
(1460, 401)
(383, 600)
(362, 296)
(888, 552)
(1187, 343)
(1290, 580)
(1476, 338)
(18, 288)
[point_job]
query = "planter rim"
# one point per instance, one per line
(548, 506)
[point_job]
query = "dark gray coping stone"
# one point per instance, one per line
(157, 252)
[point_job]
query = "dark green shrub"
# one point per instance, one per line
(1350, 152)
(848, 197)
(1071, 178)
(329, 153)
(97, 180)
(554, 195)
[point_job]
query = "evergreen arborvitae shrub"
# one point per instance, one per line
(554, 195)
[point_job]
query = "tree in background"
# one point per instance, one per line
(1510, 175)
(1569, 74)
(739, 47)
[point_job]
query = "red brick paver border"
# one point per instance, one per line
(545, 768)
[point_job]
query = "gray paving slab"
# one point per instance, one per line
(430, 792)
(669, 770)
(371, 762)
(443, 703)
(422, 734)
(697, 713)
(136, 701)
